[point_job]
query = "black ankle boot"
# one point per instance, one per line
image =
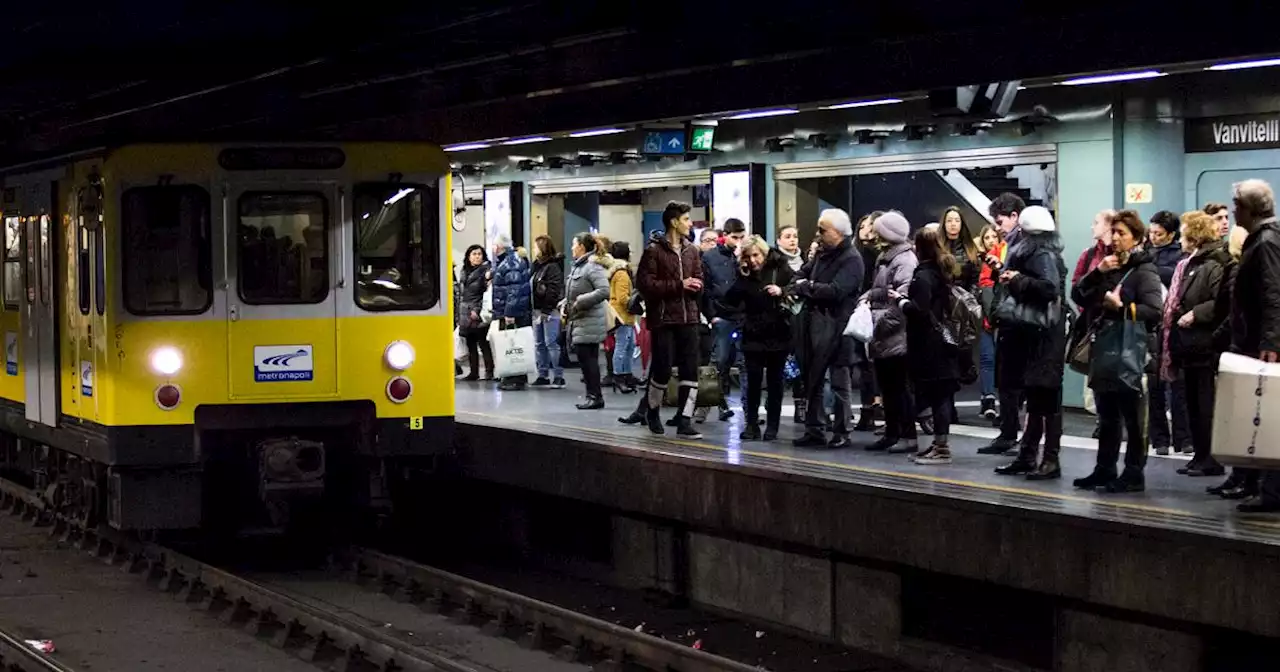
(654, 422)
(1049, 468)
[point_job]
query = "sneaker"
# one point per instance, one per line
(933, 456)
(750, 433)
(541, 382)
(725, 414)
(999, 446)
(988, 408)
(558, 383)
(700, 414)
(1162, 450)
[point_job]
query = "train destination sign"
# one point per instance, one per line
(1241, 131)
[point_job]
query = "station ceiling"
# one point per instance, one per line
(456, 71)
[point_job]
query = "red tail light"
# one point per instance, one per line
(168, 396)
(399, 389)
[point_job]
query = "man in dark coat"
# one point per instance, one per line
(829, 287)
(512, 297)
(720, 270)
(1255, 314)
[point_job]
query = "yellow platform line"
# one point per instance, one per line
(872, 470)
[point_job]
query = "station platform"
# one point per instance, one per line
(1171, 501)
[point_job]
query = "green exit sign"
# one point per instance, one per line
(701, 137)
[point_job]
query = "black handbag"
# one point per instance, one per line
(1012, 312)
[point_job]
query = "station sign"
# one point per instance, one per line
(1227, 133)
(668, 142)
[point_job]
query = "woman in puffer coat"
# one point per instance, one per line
(586, 292)
(888, 347)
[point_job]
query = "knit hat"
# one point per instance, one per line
(1036, 219)
(892, 227)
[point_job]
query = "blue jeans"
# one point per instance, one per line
(987, 363)
(624, 349)
(546, 343)
(726, 353)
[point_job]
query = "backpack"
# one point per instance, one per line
(964, 321)
(635, 302)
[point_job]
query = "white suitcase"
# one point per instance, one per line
(1246, 413)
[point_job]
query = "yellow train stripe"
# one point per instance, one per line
(879, 472)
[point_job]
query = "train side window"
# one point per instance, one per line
(12, 262)
(99, 271)
(166, 250)
(83, 266)
(397, 230)
(282, 248)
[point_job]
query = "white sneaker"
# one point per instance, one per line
(933, 457)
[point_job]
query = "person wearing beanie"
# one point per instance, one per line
(892, 228)
(888, 345)
(1031, 357)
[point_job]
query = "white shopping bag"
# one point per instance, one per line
(513, 353)
(1246, 413)
(860, 325)
(459, 346)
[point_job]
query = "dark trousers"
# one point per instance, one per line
(1165, 399)
(815, 420)
(764, 367)
(479, 342)
(868, 390)
(589, 360)
(899, 408)
(1113, 409)
(1200, 397)
(674, 344)
(938, 398)
(1010, 409)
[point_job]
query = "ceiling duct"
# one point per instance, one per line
(980, 101)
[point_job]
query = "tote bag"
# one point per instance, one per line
(513, 353)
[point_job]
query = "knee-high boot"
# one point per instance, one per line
(1049, 468)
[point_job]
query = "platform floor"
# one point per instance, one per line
(1171, 501)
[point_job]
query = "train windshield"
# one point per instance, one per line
(283, 248)
(167, 250)
(397, 259)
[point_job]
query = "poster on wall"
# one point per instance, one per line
(497, 216)
(731, 197)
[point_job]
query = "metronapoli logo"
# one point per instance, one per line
(282, 363)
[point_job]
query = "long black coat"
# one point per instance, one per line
(1255, 308)
(1192, 347)
(1029, 356)
(931, 361)
(830, 293)
(766, 325)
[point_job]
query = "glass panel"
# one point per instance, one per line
(46, 267)
(12, 261)
(82, 267)
(397, 226)
(100, 271)
(33, 266)
(166, 268)
(283, 248)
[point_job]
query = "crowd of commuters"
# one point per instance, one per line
(1174, 291)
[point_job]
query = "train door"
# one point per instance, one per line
(39, 301)
(281, 296)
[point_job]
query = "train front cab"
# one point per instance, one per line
(271, 334)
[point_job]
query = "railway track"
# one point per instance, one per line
(334, 641)
(17, 656)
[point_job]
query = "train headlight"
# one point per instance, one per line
(166, 361)
(399, 355)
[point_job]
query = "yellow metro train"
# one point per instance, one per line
(225, 336)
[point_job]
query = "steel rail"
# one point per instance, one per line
(16, 656)
(437, 590)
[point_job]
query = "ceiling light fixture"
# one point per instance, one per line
(765, 113)
(863, 103)
(1120, 77)
(526, 141)
(600, 131)
(467, 147)
(1243, 65)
